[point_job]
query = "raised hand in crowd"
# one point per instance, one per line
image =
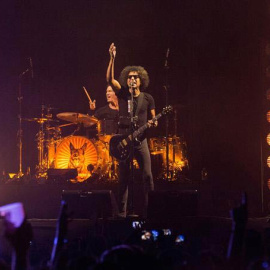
(20, 239)
(239, 217)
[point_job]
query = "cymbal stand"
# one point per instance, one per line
(166, 87)
(174, 142)
(20, 131)
(40, 138)
(47, 137)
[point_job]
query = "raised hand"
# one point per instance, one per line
(112, 50)
(153, 123)
(239, 214)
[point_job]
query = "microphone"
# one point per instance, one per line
(31, 67)
(166, 58)
(132, 83)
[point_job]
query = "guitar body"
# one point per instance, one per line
(120, 147)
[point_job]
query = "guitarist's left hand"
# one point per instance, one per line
(152, 123)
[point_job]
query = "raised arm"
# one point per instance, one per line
(110, 70)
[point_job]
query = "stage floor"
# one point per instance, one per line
(42, 198)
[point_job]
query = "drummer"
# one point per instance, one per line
(109, 111)
(108, 114)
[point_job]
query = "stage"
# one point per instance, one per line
(41, 198)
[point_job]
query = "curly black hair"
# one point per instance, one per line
(141, 72)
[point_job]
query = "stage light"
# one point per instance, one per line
(267, 72)
(267, 49)
(268, 94)
(268, 162)
(268, 116)
(268, 139)
(268, 184)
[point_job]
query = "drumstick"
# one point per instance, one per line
(87, 94)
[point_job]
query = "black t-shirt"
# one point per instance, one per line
(106, 113)
(108, 120)
(147, 105)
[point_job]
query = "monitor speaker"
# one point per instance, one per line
(90, 204)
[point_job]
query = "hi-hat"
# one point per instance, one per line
(78, 118)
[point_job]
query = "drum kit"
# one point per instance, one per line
(177, 157)
(90, 157)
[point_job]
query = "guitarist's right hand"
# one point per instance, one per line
(152, 123)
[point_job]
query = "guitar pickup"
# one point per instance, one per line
(124, 143)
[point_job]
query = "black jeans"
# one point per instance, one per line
(142, 155)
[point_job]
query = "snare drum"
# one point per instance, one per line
(107, 127)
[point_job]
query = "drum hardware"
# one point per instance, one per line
(107, 165)
(20, 131)
(58, 127)
(78, 118)
(45, 134)
(41, 168)
(42, 138)
(157, 145)
(40, 120)
(168, 174)
(177, 158)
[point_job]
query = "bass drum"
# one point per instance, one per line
(77, 152)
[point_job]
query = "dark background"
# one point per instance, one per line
(214, 75)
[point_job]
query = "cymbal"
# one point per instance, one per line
(40, 120)
(78, 118)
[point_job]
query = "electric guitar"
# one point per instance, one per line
(120, 145)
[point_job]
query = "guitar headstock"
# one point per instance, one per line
(167, 109)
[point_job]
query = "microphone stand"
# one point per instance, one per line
(131, 114)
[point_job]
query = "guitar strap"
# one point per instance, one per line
(140, 101)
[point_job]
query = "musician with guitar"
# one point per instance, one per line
(133, 80)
